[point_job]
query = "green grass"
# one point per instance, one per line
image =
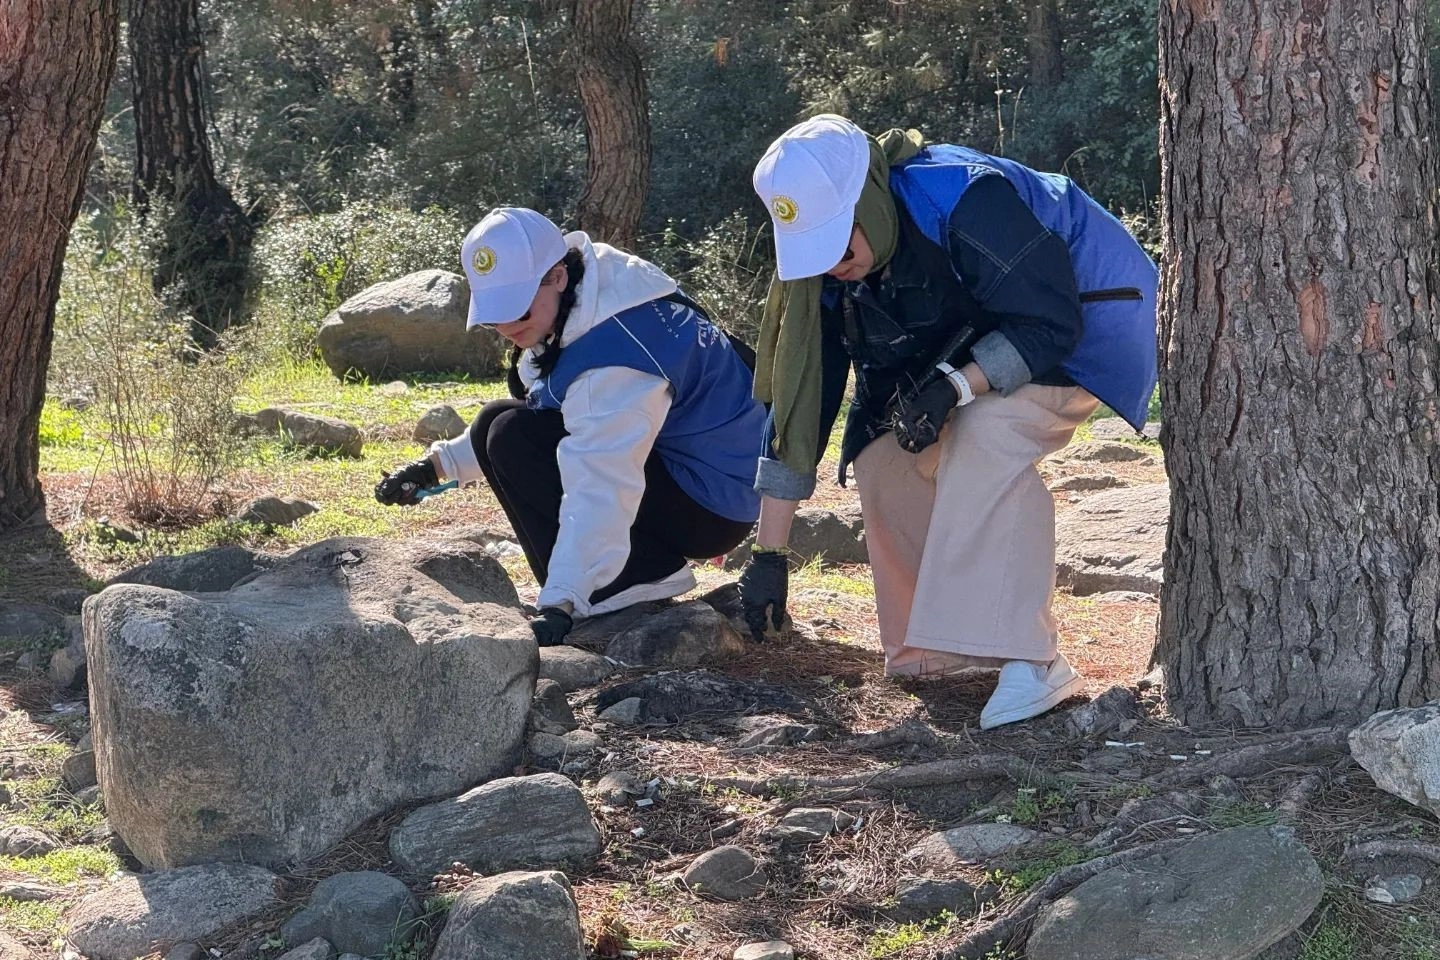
(33, 918)
(65, 865)
(46, 805)
(1332, 940)
(888, 942)
(1242, 813)
(1026, 873)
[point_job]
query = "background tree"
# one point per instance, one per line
(617, 120)
(202, 262)
(1299, 334)
(55, 65)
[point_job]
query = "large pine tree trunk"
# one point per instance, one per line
(1300, 360)
(202, 265)
(1044, 43)
(617, 120)
(56, 59)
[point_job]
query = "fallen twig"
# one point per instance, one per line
(1003, 927)
(1294, 801)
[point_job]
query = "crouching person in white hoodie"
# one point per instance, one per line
(632, 440)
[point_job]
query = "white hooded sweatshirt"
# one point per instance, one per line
(612, 414)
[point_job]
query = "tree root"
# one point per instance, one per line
(1002, 928)
(1429, 852)
(1300, 795)
(911, 731)
(1303, 747)
(1138, 813)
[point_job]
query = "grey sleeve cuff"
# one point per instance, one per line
(774, 479)
(1001, 363)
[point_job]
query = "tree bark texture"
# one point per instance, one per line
(202, 265)
(617, 120)
(56, 60)
(1047, 67)
(1299, 368)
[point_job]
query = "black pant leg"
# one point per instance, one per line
(515, 447)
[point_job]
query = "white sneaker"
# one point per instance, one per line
(681, 581)
(1027, 690)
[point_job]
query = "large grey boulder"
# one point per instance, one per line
(818, 533)
(1114, 428)
(265, 723)
(1400, 749)
(537, 821)
(362, 912)
(439, 423)
(514, 916)
(415, 324)
(1114, 541)
(136, 914)
(726, 873)
(1226, 896)
(275, 511)
(572, 668)
(205, 571)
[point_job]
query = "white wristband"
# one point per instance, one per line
(962, 385)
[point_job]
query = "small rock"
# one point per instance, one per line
(512, 822)
(618, 788)
(974, 843)
(395, 388)
(805, 825)
(23, 841)
(1103, 451)
(107, 532)
(1104, 714)
(1400, 749)
(559, 750)
(572, 668)
(67, 667)
(5, 798)
(781, 735)
(275, 511)
(439, 423)
(361, 912)
(514, 916)
(769, 950)
(1081, 483)
(79, 770)
(135, 912)
(684, 635)
(920, 898)
(186, 951)
(1152, 680)
(30, 891)
(626, 713)
(726, 873)
(312, 432)
(317, 949)
(1398, 889)
(88, 795)
(77, 402)
(1122, 596)
(550, 711)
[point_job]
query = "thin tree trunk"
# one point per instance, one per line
(202, 266)
(1300, 360)
(617, 120)
(56, 60)
(1047, 68)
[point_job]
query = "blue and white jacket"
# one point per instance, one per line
(1058, 290)
(637, 373)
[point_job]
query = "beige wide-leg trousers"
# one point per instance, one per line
(962, 535)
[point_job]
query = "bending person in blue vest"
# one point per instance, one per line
(630, 444)
(985, 307)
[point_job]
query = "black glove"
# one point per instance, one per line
(398, 488)
(764, 588)
(552, 626)
(917, 423)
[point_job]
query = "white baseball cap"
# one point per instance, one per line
(810, 180)
(505, 257)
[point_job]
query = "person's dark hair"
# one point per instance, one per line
(545, 361)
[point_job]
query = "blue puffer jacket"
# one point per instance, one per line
(1115, 358)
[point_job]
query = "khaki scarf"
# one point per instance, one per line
(787, 366)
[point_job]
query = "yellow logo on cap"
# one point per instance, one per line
(483, 261)
(785, 209)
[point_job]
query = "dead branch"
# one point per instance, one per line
(1429, 852)
(1304, 747)
(1300, 795)
(1003, 927)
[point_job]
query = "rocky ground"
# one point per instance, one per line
(680, 791)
